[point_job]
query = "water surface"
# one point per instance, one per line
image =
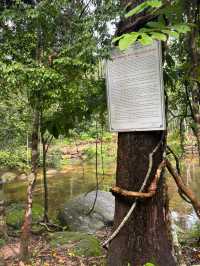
(76, 178)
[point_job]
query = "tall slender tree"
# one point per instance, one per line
(3, 226)
(26, 227)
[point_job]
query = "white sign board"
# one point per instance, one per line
(135, 89)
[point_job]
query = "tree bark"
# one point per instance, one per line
(146, 236)
(26, 227)
(3, 226)
(46, 204)
(193, 10)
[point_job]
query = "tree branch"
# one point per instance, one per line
(151, 190)
(183, 188)
(176, 159)
(84, 9)
(133, 26)
(188, 100)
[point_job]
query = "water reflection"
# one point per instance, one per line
(183, 212)
(72, 181)
(63, 185)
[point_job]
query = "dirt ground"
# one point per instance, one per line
(44, 255)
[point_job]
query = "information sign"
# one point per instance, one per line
(135, 89)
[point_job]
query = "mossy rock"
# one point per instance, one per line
(81, 244)
(15, 214)
(88, 247)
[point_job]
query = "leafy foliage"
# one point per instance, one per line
(143, 6)
(159, 30)
(50, 56)
(13, 159)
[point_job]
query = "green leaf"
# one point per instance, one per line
(153, 24)
(127, 40)
(149, 264)
(158, 36)
(141, 7)
(155, 3)
(145, 30)
(117, 38)
(181, 28)
(171, 33)
(137, 9)
(145, 39)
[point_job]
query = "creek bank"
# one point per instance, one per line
(75, 248)
(59, 248)
(9, 176)
(76, 213)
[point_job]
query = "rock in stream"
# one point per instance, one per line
(75, 213)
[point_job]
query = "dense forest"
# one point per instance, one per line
(72, 192)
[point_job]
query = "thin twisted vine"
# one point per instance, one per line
(96, 171)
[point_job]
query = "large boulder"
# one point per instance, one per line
(75, 213)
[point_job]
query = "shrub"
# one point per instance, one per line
(14, 159)
(54, 158)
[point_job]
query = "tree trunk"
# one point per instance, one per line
(27, 149)
(26, 227)
(146, 236)
(46, 205)
(193, 57)
(196, 132)
(3, 227)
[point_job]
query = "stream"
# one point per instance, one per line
(76, 178)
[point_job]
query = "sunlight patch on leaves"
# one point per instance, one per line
(143, 6)
(127, 40)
